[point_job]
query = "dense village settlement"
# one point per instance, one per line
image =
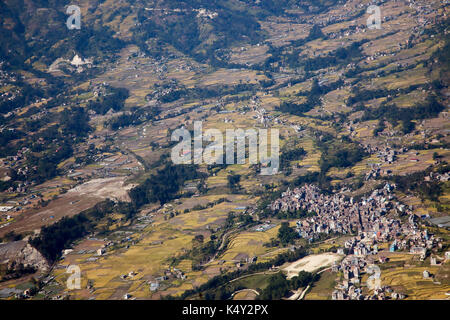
(369, 219)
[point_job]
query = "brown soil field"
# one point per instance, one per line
(69, 204)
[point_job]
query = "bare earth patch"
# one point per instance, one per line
(311, 263)
(112, 188)
(72, 202)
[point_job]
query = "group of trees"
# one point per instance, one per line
(164, 185)
(232, 24)
(182, 29)
(299, 214)
(199, 93)
(290, 155)
(360, 95)
(341, 56)
(442, 55)
(114, 99)
(291, 55)
(286, 234)
(136, 117)
(6, 137)
(211, 204)
(44, 165)
(430, 190)
(216, 282)
(414, 182)
(49, 145)
(279, 286)
(60, 235)
(54, 143)
(75, 121)
(14, 271)
(35, 35)
(201, 252)
(233, 183)
(339, 153)
(27, 94)
(312, 98)
(428, 109)
(315, 33)
(379, 128)
(296, 109)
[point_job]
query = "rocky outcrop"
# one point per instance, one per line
(21, 252)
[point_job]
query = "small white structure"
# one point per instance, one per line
(67, 251)
(126, 296)
(77, 61)
(154, 286)
(433, 261)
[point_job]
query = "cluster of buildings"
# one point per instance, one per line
(130, 275)
(369, 220)
(386, 154)
(171, 273)
(434, 176)
(5, 75)
(426, 14)
(263, 117)
(76, 64)
(167, 89)
(7, 78)
(264, 227)
(352, 268)
(203, 13)
(18, 159)
(336, 214)
(174, 273)
(10, 95)
(261, 114)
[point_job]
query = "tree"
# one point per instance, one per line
(436, 156)
(286, 234)
(233, 182)
(315, 33)
(278, 287)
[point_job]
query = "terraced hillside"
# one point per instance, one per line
(87, 178)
